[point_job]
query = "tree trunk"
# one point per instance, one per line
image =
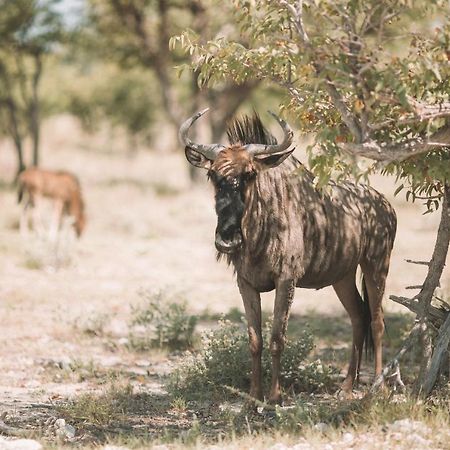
(434, 360)
(34, 115)
(434, 349)
(16, 135)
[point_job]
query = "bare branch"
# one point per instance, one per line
(296, 14)
(394, 362)
(422, 263)
(399, 152)
(417, 286)
(436, 315)
(352, 123)
(347, 116)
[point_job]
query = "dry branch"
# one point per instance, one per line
(393, 364)
(399, 152)
(436, 315)
(422, 263)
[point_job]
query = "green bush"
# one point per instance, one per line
(161, 323)
(224, 361)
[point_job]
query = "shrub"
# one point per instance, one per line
(225, 361)
(161, 323)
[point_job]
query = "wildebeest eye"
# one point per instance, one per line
(247, 176)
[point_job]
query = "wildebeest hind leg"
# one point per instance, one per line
(252, 305)
(349, 296)
(375, 283)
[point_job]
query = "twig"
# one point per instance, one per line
(394, 362)
(398, 382)
(424, 263)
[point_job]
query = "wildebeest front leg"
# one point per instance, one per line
(283, 301)
(252, 305)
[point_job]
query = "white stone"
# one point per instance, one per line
(408, 426)
(19, 444)
(347, 437)
(321, 426)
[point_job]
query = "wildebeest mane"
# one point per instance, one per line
(249, 130)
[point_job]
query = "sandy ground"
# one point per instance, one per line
(147, 229)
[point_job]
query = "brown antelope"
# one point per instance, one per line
(62, 187)
(280, 232)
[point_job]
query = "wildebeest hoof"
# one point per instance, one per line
(344, 394)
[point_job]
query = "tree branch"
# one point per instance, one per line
(352, 123)
(399, 152)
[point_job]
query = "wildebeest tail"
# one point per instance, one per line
(76, 209)
(367, 318)
(20, 190)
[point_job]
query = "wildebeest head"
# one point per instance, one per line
(233, 168)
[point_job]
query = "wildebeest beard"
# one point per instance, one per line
(229, 209)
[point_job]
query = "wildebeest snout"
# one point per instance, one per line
(228, 245)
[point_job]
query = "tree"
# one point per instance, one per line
(122, 99)
(29, 29)
(137, 33)
(369, 81)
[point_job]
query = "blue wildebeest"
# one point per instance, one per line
(279, 232)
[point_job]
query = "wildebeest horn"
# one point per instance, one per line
(262, 149)
(209, 151)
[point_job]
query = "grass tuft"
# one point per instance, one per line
(160, 322)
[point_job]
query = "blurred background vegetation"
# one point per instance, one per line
(108, 63)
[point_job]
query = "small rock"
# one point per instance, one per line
(347, 437)
(322, 427)
(417, 441)
(408, 426)
(64, 430)
(19, 444)
(142, 363)
(123, 341)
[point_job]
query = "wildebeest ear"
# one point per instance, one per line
(273, 160)
(197, 159)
